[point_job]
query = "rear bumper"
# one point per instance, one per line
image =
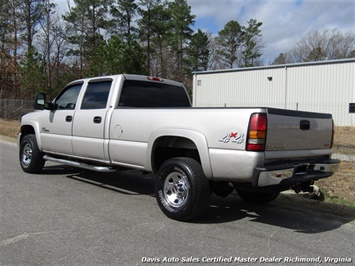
(293, 173)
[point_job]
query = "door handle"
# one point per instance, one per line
(97, 119)
(68, 118)
(305, 125)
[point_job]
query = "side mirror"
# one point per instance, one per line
(40, 101)
(41, 104)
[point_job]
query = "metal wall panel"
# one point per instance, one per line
(327, 87)
(242, 88)
(322, 88)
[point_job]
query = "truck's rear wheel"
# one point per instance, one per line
(181, 189)
(31, 158)
(257, 197)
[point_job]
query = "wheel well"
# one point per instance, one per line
(25, 130)
(169, 147)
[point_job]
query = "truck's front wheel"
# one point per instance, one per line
(181, 189)
(31, 158)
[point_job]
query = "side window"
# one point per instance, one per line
(96, 95)
(67, 99)
(146, 94)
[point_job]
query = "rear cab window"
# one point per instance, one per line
(96, 94)
(145, 94)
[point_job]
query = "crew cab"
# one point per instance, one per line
(120, 122)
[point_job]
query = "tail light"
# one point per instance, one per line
(257, 132)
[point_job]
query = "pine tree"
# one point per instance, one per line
(11, 26)
(251, 43)
(123, 13)
(153, 25)
(84, 23)
(229, 40)
(33, 77)
(198, 52)
(181, 32)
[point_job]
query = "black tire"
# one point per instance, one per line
(257, 197)
(182, 190)
(31, 158)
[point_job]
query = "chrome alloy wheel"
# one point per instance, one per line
(27, 154)
(176, 189)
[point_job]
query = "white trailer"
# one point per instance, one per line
(326, 86)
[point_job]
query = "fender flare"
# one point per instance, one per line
(196, 137)
(37, 131)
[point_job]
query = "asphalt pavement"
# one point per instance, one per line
(67, 216)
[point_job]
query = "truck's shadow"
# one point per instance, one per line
(288, 211)
(126, 182)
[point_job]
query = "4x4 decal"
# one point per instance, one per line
(233, 137)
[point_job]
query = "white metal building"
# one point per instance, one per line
(326, 86)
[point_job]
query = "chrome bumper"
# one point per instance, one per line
(289, 174)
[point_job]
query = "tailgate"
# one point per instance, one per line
(298, 130)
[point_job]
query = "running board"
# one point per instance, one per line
(80, 165)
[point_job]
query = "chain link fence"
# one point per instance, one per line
(11, 109)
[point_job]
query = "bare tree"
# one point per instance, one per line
(283, 58)
(215, 61)
(45, 39)
(324, 45)
(53, 47)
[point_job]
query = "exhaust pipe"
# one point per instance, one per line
(313, 190)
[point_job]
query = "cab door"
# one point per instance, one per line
(56, 125)
(90, 119)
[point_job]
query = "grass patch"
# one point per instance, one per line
(335, 199)
(9, 128)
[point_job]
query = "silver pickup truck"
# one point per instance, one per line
(147, 123)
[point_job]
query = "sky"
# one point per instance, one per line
(285, 22)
